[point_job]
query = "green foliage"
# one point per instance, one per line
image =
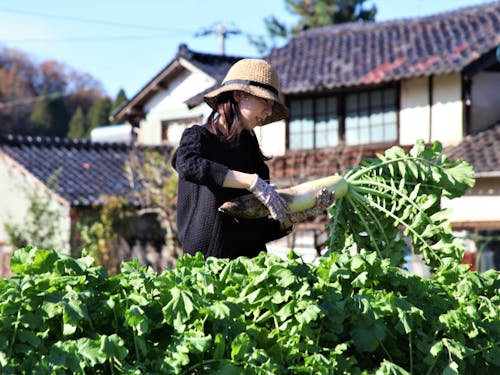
(58, 88)
(59, 117)
(120, 99)
(49, 117)
(265, 315)
(40, 121)
(101, 237)
(98, 114)
(399, 193)
(40, 226)
(157, 194)
(351, 313)
(313, 14)
(77, 125)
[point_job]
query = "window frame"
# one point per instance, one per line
(341, 97)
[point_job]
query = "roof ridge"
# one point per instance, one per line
(363, 26)
(189, 54)
(19, 139)
(41, 141)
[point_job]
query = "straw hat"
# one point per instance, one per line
(256, 77)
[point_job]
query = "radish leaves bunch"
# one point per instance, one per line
(395, 199)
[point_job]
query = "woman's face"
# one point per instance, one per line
(254, 110)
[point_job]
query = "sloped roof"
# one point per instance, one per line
(214, 65)
(370, 53)
(85, 170)
(482, 150)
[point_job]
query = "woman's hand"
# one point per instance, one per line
(270, 198)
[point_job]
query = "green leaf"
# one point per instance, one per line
(22, 260)
(367, 335)
(90, 351)
(28, 337)
(309, 313)
(180, 306)
(113, 347)
(199, 344)
(137, 319)
(219, 346)
(241, 347)
(73, 312)
(451, 369)
(389, 368)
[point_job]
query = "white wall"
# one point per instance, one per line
(474, 209)
(443, 121)
(447, 110)
(414, 117)
(15, 185)
(169, 104)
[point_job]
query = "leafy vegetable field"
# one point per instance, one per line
(354, 312)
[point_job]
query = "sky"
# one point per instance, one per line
(125, 43)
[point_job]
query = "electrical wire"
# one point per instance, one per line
(91, 21)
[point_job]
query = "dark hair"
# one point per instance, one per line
(229, 108)
(230, 134)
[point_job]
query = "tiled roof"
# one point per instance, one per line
(482, 150)
(369, 53)
(86, 170)
(214, 65)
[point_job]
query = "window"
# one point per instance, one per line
(371, 117)
(313, 123)
(355, 118)
(171, 130)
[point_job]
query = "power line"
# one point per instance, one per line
(90, 39)
(89, 21)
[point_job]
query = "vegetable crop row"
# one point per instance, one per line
(346, 315)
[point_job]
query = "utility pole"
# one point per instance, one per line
(222, 32)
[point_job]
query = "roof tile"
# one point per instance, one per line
(85, 170)
(374, 52)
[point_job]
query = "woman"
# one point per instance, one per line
(221, 160)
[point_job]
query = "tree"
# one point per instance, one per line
(49, 117)
(59, 117)
(98, 114)
(41, 117)
(313, 14)
(121, 98)
(26, 83)
(77, 125)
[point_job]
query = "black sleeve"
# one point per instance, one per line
(191, 162)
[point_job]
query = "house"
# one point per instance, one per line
(159, 109)
(82, 172)
(359, 88)
(362, 88)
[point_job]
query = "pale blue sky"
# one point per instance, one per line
(124, 43)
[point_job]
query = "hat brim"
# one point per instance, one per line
(280, 111)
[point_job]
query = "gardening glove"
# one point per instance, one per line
(270, 198)
(324, 199)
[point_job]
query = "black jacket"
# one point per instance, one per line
(202, 162)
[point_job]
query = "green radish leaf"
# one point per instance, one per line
(90, 351)
(241, 347)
